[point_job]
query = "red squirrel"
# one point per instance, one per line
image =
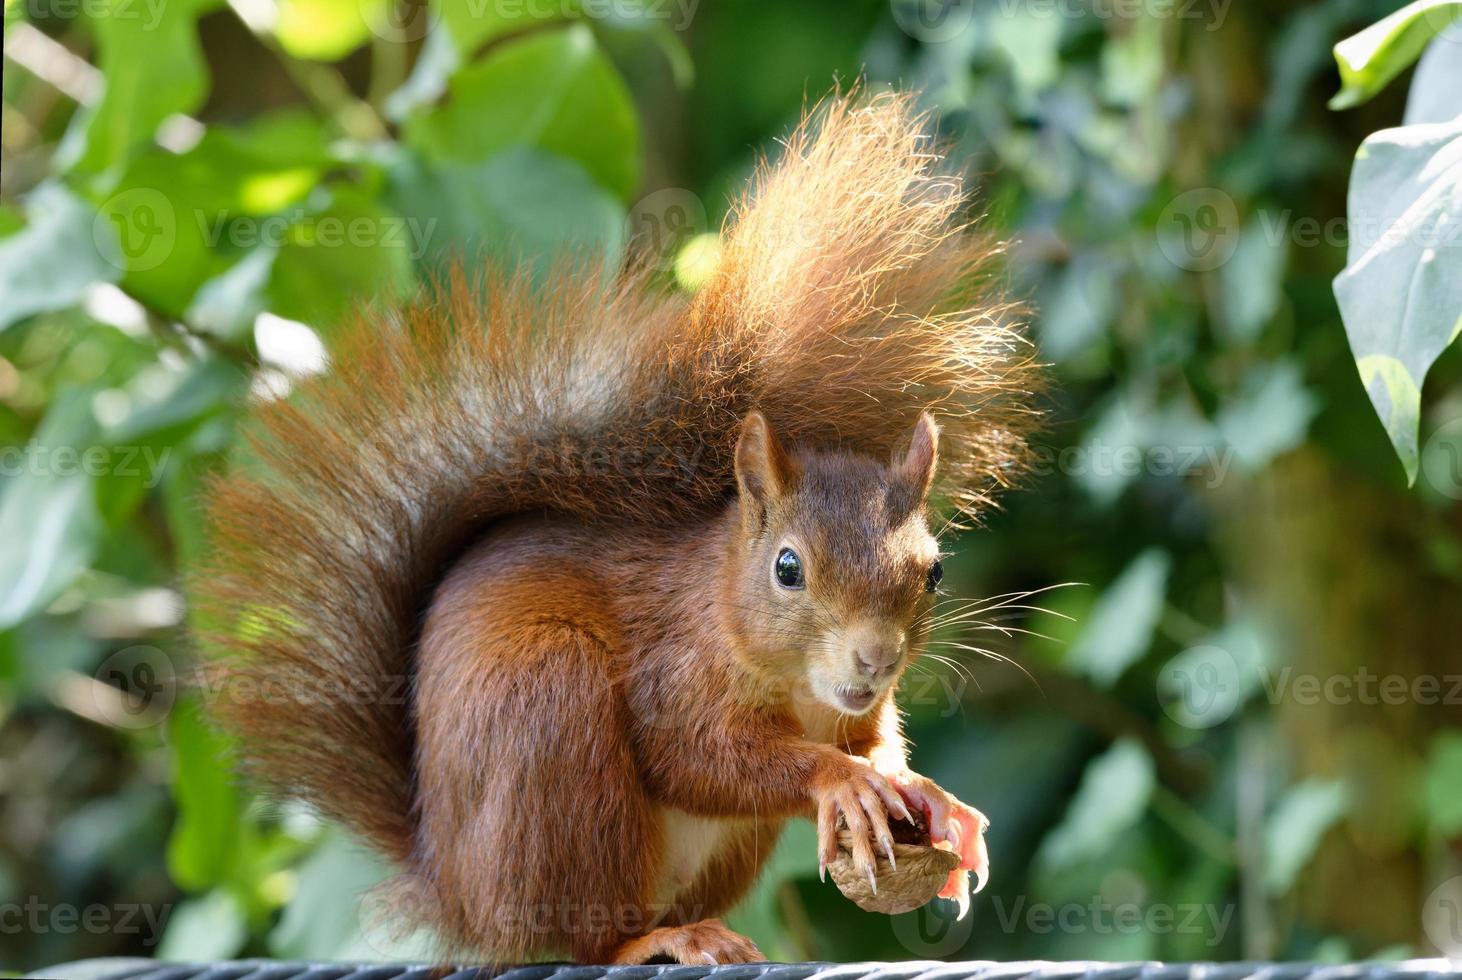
(569, 596)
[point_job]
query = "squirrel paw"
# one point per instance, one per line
(704, 943)
(951, 821)
(863, 799)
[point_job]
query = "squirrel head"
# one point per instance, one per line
(834, 568)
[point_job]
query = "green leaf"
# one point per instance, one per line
(462, 29)
(346, 252)
(212, 927)
(1295, 828)
(1269, 415)
(554, 90)
(206, 843)
(327, 30)
(1031, 42)
(48, 264)
(471, 25)
(11, 218)
(1400, 293)
(428, 80)
(323, 920)
(153, 66)
(48, 512)
(1112, 797)
(228, 303)
(1443, 777)
(1253, 281)
(1120, 626)
(522, 203)
(1370, 59)
(184, 219)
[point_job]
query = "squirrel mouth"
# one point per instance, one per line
(855, 699)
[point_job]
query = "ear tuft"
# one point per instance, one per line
(762, 466)
(915, 468)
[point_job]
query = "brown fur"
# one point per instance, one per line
(591, 674)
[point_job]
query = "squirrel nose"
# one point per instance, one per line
(876, 661)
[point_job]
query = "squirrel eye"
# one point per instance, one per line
(936, 573)
(788, 569)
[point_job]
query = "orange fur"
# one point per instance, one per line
(524, 504)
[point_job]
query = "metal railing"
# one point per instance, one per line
(137, 969)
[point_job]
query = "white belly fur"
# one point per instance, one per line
(690, 842)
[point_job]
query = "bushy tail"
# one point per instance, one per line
(847, 299)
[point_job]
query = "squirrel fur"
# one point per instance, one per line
(510, 567)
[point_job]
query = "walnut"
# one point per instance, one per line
(921, 871)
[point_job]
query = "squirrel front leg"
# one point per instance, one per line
(750, 767)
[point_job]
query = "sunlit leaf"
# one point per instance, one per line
(1400, 293)
(327, 30)
(1370, 59)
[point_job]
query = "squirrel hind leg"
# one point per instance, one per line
(705, 943)
(535, 826)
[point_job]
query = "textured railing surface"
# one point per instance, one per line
(136, 969)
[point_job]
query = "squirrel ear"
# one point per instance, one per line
(762, 467)
(915, 467)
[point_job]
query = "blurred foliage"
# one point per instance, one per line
(1240, 738)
